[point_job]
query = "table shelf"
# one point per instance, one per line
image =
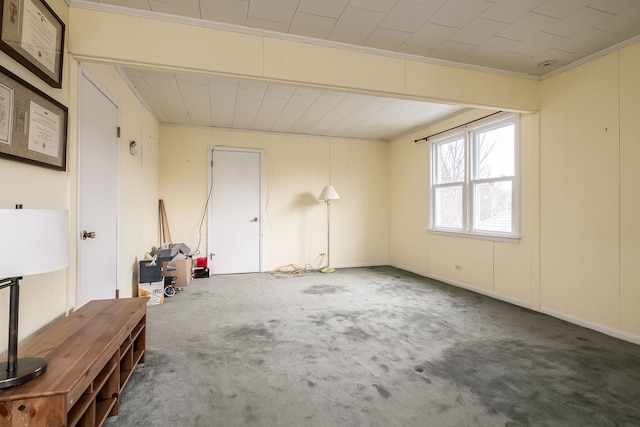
(91, 355)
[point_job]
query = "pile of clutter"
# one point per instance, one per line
(166, 270)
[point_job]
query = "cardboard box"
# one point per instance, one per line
(180, 269)
(153, 290)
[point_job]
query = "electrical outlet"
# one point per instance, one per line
(458, 267)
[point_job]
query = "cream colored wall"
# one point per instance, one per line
(579, 208)
(139, 178)
(589, 192)
(43, 297)
(503, 270)
(295, 169)
(629, 188)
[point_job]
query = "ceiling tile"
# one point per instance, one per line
(586, 43)
(178, 115)
(407, 16)
(510, 11)
(458, 13)
(198, 116)
(157, 78)
(280, 92)
(138, 81)
(305, 24)
(355, 25)
(537, 44)
(625, 24)
(223, 86)
(254, 91)
(451, 50)
(305, 91)
(383, 6)
(561, 8)
(188, 8)
(613, 6)
(193, 92)
(273, 104)
(477, 31)
(527, 26)
(230, 11)
(579, 22)
(273, 10)
(327, 8)
(280, 27)
(493, 46)
(289, 116)
(430, 35)
(266, 118)
(434, 3)
(382, 38)
(191, 79)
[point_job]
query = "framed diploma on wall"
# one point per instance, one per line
(33, 126)
(32, 34)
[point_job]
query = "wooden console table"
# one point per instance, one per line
(90, 356)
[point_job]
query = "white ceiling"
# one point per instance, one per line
(251, 105)
(508, 36)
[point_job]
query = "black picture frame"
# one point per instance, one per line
(32, 34)
(33, 126)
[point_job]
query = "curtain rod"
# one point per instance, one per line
(426, 138)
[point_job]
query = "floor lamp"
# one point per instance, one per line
(32, 241)
(328, 194)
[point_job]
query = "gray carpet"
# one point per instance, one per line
(371, 347)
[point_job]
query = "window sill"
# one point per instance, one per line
(476, 236)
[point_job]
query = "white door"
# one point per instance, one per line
(234, 211)
(98, 194)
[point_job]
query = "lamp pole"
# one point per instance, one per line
(328, 268)
(328, 193)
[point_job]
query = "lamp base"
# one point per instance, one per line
(327, 269)
(28, 369)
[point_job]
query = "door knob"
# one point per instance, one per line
(88, 235)
(254, 219)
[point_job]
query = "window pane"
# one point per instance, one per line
(493, 149)
(450, 161)
(492, 207)
(448, 208)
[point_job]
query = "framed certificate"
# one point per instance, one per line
(32, 34)
(33, 126)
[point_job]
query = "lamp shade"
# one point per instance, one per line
(329, 193)
(33, 241)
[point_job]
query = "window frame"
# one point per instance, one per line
(470, 183)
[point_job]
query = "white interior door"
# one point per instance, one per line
(234, 211)
(98, 193)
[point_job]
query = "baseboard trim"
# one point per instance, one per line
(481, 291)
(366, 264)
(625, 336)
(493, 295)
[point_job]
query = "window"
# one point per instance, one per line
(474, 182)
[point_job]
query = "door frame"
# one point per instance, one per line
(257, 151)
(85, 73)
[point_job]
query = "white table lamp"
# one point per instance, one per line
(32, 241)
